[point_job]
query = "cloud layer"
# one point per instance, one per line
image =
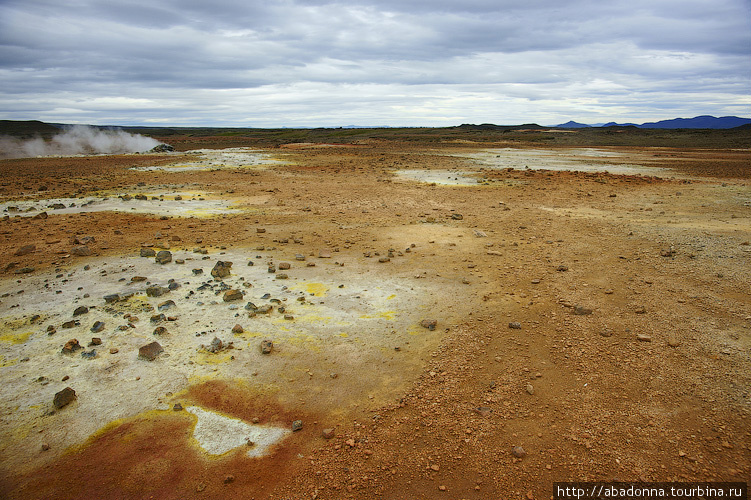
(406, 62)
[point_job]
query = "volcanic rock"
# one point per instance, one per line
(64, 398)
(163, 257)
(221, 269)
(149, 352)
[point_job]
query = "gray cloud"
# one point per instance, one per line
(411, 62)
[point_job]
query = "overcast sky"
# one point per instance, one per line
(267, 63)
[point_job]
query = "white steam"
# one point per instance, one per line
(78, 139)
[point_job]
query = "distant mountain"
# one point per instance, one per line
(573, 124)
(704, 121)
(27, 129)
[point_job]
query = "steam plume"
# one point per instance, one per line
(78, 139)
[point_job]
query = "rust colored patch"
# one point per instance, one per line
(154, 456)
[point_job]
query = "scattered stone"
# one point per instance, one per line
(328, 433)
(229, 479)
(232, 295)
(71, 346)
(25, 270)
(197, 272)
(71, 324)
(562, 268)
(284, 266)
(148, 252)
(530, 389)
(45, 447)
(640, 310)
(580, 310)
(149, 352)
(221, 269)
(216, 345)
(64, 398)
(515, 325)
(267, 346)
(25, 250)
(95, 341)
(163, 257)
(384, 259)
(89, 355)
(282, 276)
(137, 279)
(80, 310)
(673, 340)
(160, 330)
(518, 452)
(41, 215)
(158, 318)
(167, 304)
(237, 329)
(668, 252)
(430, 324)
(606, 332)
(156, 291)
(114, 350)
(177, 407)
(80, 251)
(457, 216)
(642, 337)
(296, 425)
(324, 254)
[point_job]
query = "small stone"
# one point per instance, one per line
(138, 279)
(515, 325)
(668, 252)
(114, 350)
(430, 324)
(45, 447)
(267, 346)
(518, 452)
(384, 259)
(580, 310)
(148, 252)
(25, 250)
(530, 389)
(284, 266)
(229, 479)
(149, 352)
(296, 425)
(237, 329)
(442, 488)
(328, 433)
(324, 254)
(160, 330)
(70, 324)
(156, 291)
(673, 341)
(163, 257)
(71, 346)
(80, 310)
(562, 268)
(95, 341)
(640, 310)
(64, 398)
(177, 407)
(221, 269)
(232, 295)
(216, 345)
(167, 304)
(641, 337)
(457, 216)
(606, 332)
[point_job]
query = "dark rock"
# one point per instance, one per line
(71, 324)
(95, 341)
(149, 352)
(216, 345)
(283, 266)
(80, 251)
(518, 452)
(580, 310)
(267, 346)
(64, 398)
(80, 310)
(237, 329)
(112, 298)
(83, 240)
(160, 330)
(162, 148)
(196, 272)
(163, 257)
(457, 216)
(25, 250)
(296, 425)
(25, 270)
(157, 318)
(156, 291)
(221, 269)
(167, 304)
(148, 252)
(562, 268)
(515, 325)
(177, 407)
(232, 295)
(89, 355)
(430, 324)
(41, 215)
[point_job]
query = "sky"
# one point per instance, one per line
(316, 63)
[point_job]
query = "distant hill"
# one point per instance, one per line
(704, 121)
(27, 129)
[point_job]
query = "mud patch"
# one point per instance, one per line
(212, 159)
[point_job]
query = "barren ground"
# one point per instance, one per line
(651, 383)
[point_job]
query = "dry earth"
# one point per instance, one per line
(628, 358)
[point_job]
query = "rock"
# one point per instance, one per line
(71, 346)
(71, 324)
(296, 425)
(158, 318)
(221, 269)
(80, 251)
(237, 329)
(384, 259)
(324, 254)
(80, 310)
(149, 352)
(156, 291)
(515, 325)
(148, 252)
(167, 304)
(328, 433)
(197, 272)
(606, 332)
(580, 310)
(25, 250)
(282, 276)
(112, 298)
(89, 355)
(229, 479)
(457, 216)
(25, 270)
(668, 252)
(640, 310)
(530, 389)
(64, 398)
(41, 215)
(562, 268)
(83, 240)
(642, 337)
(160, 330)
(138, 279)
(232, 295)
(673, 341)
(95, 341)
(216, 345)
(518, 452)
(98, 326)
(163, 257)
(430, 324)
(284, 266)
(177, 407)
(162, 148)
(267, 346)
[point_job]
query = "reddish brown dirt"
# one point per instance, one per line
(605, 405)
